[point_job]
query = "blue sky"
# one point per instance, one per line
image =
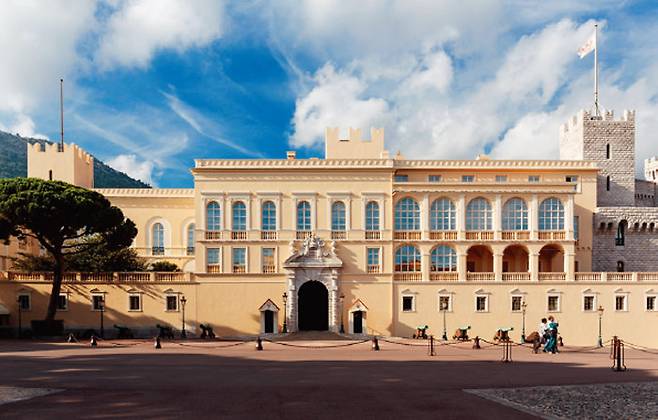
(151, 85)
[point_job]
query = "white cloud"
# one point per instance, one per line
(131, 165)
(140, 28)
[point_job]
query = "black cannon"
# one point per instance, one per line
(461, 334)
(502, 334)
(123, 331)
(206, 331)
(165, 332)
(421, 332)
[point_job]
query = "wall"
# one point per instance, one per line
(72, 164)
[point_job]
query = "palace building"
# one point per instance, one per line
(378, 244)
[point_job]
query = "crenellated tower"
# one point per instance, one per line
(69, 163)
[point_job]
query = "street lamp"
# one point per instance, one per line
(183, 301)
(342, 325)
(285, 312)
(600, 310)
(444, 309)
(101, 309)
(523, 309)
(20, 316)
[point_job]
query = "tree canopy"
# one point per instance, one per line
(65, 219)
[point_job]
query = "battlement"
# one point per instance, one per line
(51, 148)
(584, 116)
(69, 163)
(354, 146)
(651, 169)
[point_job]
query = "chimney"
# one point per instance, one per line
(291, 155)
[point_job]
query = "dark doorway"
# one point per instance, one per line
(313, 307)
(358, 322)
(269, 322)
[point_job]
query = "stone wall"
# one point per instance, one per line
(645, 193)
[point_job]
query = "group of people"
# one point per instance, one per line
(548, 334)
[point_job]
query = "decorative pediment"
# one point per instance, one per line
(553, 291)
(268, 306)
(134, 291)
(517, 291)
(621, 290)
(170, 292)
(589, 291)
(651, 292)
(358, 306)
(445, 292)
(408, 292)
(313, 254)
(97, 291)
(482, 292)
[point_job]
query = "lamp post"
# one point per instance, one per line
(183, 301)
(444, 309)
(524, 306)
(342, 325)
(600, 310)
(20, 317)
(285, 312)
(101, 309)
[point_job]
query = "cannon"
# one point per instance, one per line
(123, 331)
(461, 334)
(206, 331)
(165, 332)
(502, 334)
(421, 332)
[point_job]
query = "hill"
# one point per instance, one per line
(13, 163)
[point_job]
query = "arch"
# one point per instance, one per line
(620, 236)
(304, 216)
(551, 259)
(515, 214)
(239, 220)
(478, 214)
(338, 223)
(442, 214)
(313, 306)
(190, 266)
(213, 217)
(407, 214)
(516, 259)
(551, 214)
(407, 259)
(443, 258)
(479, 259)
(149, 231)
(157, 239)
(268, 216)
(372, 216)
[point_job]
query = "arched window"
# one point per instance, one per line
(190, 239)
(551, 214)
(407, 259)
(303, 216)
(478, 214)
(213, 217)
(239, 217)
(444, 258)
(372, 216)
(515, 215)
(158, 244)
(620, 237)
(407, 215)
(268, 221)
(338, 216)
(442, 215)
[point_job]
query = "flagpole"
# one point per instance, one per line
(596, 72)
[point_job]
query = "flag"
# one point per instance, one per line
(588, 46)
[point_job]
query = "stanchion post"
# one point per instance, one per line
(375, 344)
(476, 343)
(618, 355)
(157, 343)
(430, 350)
(507, 351)
(259, 344)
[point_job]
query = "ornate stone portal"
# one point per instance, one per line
(312, 263)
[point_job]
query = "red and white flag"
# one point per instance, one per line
(588, 46)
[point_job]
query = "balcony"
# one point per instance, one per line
(620, 276)
(443, 235)
(373, 268)
(407, 235)
(239, 235)
(304, 234)
(157, 251)
(411, 276)
(373, 235)
(444, 276)
(484, 235)
(515, 235)
(514, 277)
(553, 276)
(213, 235)
(338, 235)
(481, 276)
(189, 250)
(214, 269)
(107, 277)
(268, 235)
(551, 235)
(647, 276)
(584, 276)
(239, 269)
(269, 269)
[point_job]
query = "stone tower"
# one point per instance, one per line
(611, 144)
(69, 164)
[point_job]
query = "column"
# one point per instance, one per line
(425, 216)
(568, 218)
(498, 265)
(497, 215)
(533, 266)
(291, 307)
(461, 217)
(533, 217)
(569, 258)
(461, 265)
(425, 264)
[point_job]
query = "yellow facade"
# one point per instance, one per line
(512, 232)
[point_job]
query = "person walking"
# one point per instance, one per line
(551, 342)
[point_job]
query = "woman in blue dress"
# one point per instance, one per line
(551, 343)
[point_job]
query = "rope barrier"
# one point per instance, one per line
(281, 343)
(239, 343)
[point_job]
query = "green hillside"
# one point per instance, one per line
(13, 163)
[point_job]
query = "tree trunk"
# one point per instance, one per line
(58, 275)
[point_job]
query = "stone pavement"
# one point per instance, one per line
(196, 379)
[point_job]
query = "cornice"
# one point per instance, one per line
(147, 192)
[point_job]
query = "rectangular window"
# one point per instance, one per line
(553, 303)
(481, 304)
(172, 303)
(401, 178)
(373, 256)
(516, 303)
(407, 303)
(63, 302)
(620, 303)
(269, 265)
(576, 227)
(468, 178)
(434, 178)
(97, 303)
(651, 303)
(571, 178)
(501, 178)
(135, 302)
(24, 302)
(588, 303)
(533, 178)
(239, 262)
(444, 303)
(212, 256)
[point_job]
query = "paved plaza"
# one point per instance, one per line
(220, 379)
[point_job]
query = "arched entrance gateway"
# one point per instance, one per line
(312, 288)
